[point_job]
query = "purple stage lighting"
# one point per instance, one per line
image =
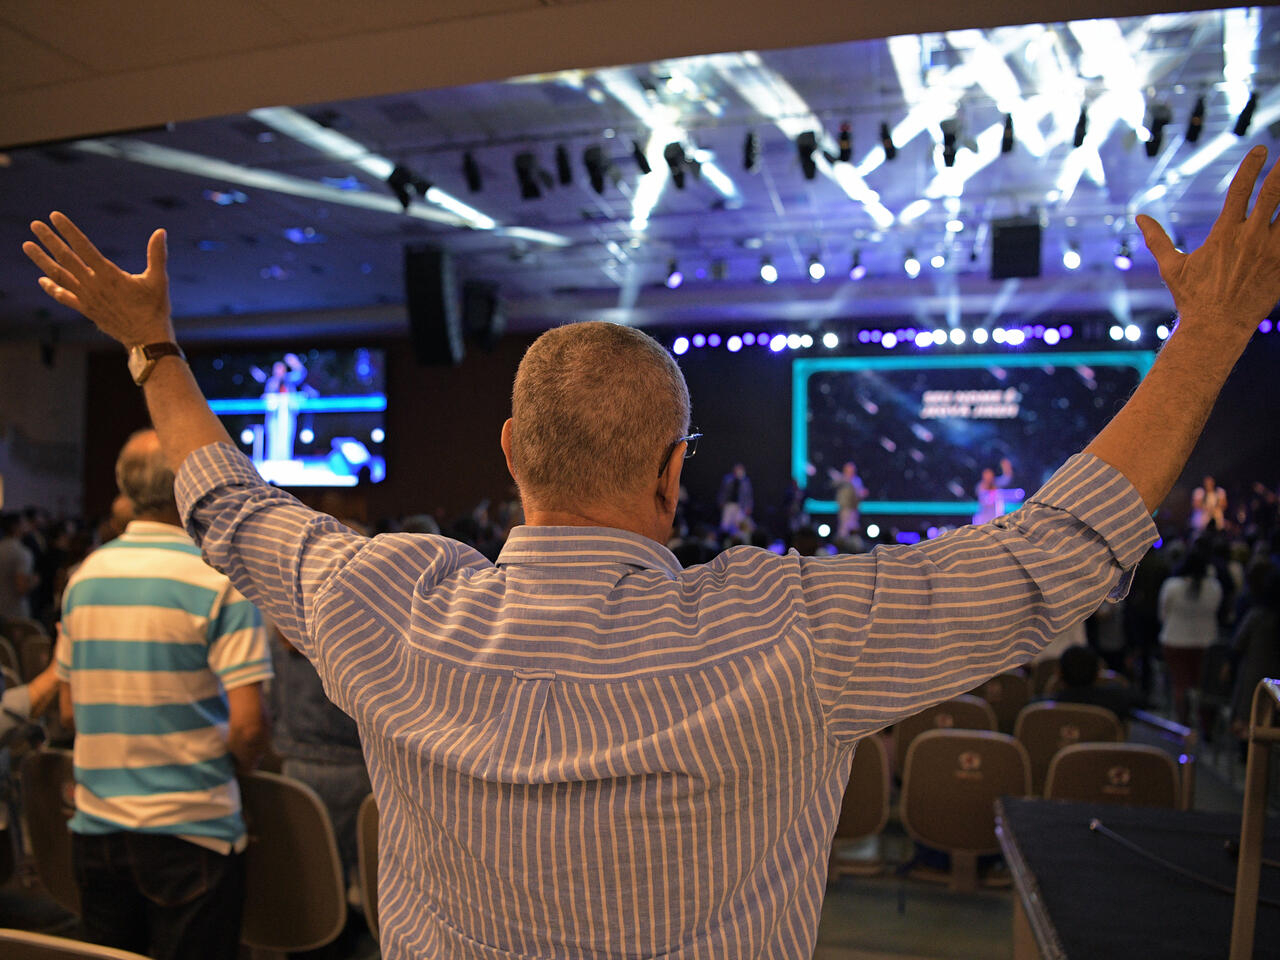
(713, 340)
(1265, 326)
(680, 346)
(699, 340)
(748, 339)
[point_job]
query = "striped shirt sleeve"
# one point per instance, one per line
(62, 654)
(909, 626)
(238, 651)
(278, 552)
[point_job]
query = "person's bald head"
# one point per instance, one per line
(594, 408)
(144, 478)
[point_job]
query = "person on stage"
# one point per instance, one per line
(990, 491)
(1208, 507)
(850, 491)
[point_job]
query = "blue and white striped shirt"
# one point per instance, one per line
(585, 751)
(151, 639)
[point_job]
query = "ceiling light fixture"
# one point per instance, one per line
(1082, 127)
(1246, 116)
(1196, 123)
(528, 175)
(806, 145)
(950, 135)
(911, 265)
(845, 141)
(886, 142)
(404, 183)
(471, 172)
(564, 169)
(1159, 116)
(599, 167)
(1123, 258)
(751, 152)
(858, 269)
(642, 162)
(768, 272)
(816, 270)
(1006, 139)
(674, 276)
(674, 154)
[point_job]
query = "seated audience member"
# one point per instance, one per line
(582, 749)
(22, 704)
(1256, 646)
(1078, 671)
(164, 662)
(17, 569)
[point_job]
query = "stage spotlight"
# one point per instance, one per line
(1159, 116)
(939, 337)
(824, 529)
(955, 225)
(816, 270)
(749, 339)
(777, 343)
(733, 344)
(564, 169)
(845, 140)
(377, 435)
(404, 183)
(598, 167)
(1162, 332)
(830, 340)
(681, 346)
(886, 142)
(1015, 337)
(857, 270)
(768, 272)
(527, 174)
(806, 146)
(1082, 127)
(1265, 326)
(1132, 332)
(911, 265)
(1065, 331)
(806, 340)
(1123, 259)
(306, 435)
(864, 336)
(873, 531)
(1071, 257)
(938, 261)
(950, 135)
(246, 436)
(1196, 123)
(998, 335)
(1051, 337)
(674, 276)
(471, 172)
(713, 340)
(889, 341)
(1246, 116)
(957, 336)
(674, 154)
(875, 336)
(1006, 139)
(699, 340)
(638, 154)
(924, 339)
(793, 341)
(980, 336)
(751, 152)
(1116, 332)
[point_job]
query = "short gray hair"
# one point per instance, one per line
(143, 476)
(594, 407)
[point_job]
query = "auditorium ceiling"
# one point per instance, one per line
(579, 193)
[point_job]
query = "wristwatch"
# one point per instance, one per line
(143, 357)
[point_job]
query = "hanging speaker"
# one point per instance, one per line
(1015, 248)
(482, 321)
(431, 296)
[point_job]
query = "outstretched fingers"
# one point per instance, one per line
(58, 249)
(46, 263)
(1235, 209)
(61, 294)
(1157, 242)
(84, 248)
(157, 253)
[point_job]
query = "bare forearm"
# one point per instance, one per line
(1150, 439)
(179, 411)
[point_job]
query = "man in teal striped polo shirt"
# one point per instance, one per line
(165, 662)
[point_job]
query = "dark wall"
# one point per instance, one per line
(443, 423)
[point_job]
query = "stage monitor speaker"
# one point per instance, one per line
(1015, 248)
(482, 319)
(431, 296)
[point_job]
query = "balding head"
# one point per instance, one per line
(595, 407)
(143, 476)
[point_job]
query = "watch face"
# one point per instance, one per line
(139, 364)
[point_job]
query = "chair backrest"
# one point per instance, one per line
(9, 657)
(1007, 693)
(295, 898)
(1045, 728)
(35, 651)
(25, 945)
(951, 783)
(367, 853)
(48, 802)
(865, 808)
(1133, 774)
(1042, 671)
(959, 713)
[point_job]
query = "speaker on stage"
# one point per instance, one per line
(1015, 248)
(431, 296)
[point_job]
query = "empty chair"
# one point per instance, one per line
(48, 802)
(1007, 693)
(1124, 773)
(960, 713)
(295, 898)
(367, 847)
(1045, 728)
(25, 945)
(949, 788)
(865, 808)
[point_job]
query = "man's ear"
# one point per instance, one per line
(668, 489)
(505, 440)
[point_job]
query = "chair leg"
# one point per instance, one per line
(964, 872)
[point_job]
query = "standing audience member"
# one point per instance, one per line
(585, 750)
(165, 662)
(17, 569)
(1256, 645)
(1189, 623)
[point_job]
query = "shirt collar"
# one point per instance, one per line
(587, 545)
(153, 528)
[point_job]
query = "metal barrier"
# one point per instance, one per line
(1262, 734)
